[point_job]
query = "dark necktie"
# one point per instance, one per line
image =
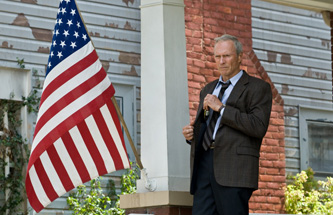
(208, 136)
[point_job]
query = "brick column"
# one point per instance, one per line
(205, 20)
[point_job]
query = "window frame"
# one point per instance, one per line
(313, 114)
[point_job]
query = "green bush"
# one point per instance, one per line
(308, 196)
(94, 201)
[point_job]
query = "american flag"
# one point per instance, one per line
(78, 135)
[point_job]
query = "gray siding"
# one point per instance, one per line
(114, 26)
(294, 48)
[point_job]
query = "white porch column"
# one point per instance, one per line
(164, 95)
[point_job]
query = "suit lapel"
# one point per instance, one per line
(238, 89)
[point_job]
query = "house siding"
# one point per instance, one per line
(294, 47)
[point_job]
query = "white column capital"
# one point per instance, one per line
(151, 3)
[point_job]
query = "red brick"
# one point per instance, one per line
(189, 76)
(188, 32)
(236, 33)
(271, 142)
(260, 199)
(199, 63)
(279, 164)
(192, 40)
(266, 207)
(208, 41)
(210, 65)
(216, 15)
(244, 20)
(272, 171)
(189, 62)
(265, 163)
(262, 184)
(210, 21)
(206, 72)
(211, 78)
(197, 34)
(270, 156)
(206, 14)
(210, 35)
(193, 97)
(188, 18)
(278, 193)
(244, 6)
(193, 26)
(233, 4)
(197, 19)
(277, 121)
(272, 185)
(193, 69)
(266, 178)
(199, 78)
(278, 135)
(225, 9)
(193, 84)
(218, 29)
(192, 11)
(194, 55)
(273, 128)
(278, 149)
(197, 48)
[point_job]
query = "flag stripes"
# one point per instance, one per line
(79, 163)
(63, 163)
(58, 77)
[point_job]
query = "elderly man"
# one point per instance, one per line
(225, 138)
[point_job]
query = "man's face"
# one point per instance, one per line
(227, 61)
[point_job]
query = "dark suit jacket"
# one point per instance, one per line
(238, 139)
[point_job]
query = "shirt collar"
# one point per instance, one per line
(234, 79)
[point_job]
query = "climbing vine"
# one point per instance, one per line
(14, 152)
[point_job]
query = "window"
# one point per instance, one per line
(316, 140)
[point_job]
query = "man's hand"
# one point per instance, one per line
(188, 131)
(212, 102)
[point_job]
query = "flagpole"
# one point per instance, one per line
(150, 184)
(138, 161)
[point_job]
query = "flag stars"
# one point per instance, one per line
(67, 1)
(56, 32)
(69, 23)
(62, 44)
(54, 43)
(76, 34)
(73, 12)
(51, 54)
(78, 24)
(73, 44)
(63, 10)
(59, 21)
(59, 54)
(66, 33)
(49, 65)
(84, 36)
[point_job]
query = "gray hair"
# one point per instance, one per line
(226, 37)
